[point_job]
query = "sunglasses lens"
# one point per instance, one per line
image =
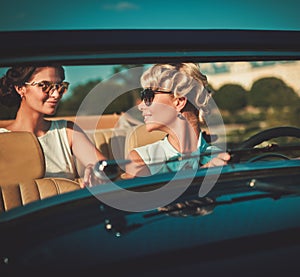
(63, 87)
(61, 90)
(147, 95)
(46, 86)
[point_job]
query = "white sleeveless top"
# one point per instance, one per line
(156, 154)
(57, 152)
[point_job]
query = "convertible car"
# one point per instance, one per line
(240, 219)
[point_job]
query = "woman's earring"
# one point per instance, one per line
(180, 116)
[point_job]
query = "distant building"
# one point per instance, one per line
(245, 73)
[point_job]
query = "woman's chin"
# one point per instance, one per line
(151, 126)
(50, 113)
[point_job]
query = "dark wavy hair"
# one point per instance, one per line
(17, 76)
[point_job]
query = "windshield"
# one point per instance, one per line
(104, 101)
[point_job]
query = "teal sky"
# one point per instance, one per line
(145, 14)
(134, 14)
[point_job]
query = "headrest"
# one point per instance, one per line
(139, 136)
(21, 158)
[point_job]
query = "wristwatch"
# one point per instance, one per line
(106, 170)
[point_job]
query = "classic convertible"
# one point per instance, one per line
(240, 219)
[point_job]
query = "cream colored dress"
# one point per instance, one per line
(162, 157)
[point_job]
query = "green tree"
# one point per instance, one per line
(294, 113)
(271, 92)
(231, 97)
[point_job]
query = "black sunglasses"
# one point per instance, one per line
(147, 95)
(48, 87)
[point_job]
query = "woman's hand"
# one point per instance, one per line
(99, 173)
(90, 179)
(221, 160)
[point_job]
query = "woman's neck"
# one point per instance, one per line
(184, 135)
(33, 122)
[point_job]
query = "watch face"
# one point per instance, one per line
(106, 170)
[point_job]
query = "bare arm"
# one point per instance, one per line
(220, 160)
(136, 167)
(81, 146)
(85, 151)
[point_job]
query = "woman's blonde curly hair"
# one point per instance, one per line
(184, 80)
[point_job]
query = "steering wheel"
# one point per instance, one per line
(267, 135)
(270, 134)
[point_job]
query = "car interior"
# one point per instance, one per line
(27, 160)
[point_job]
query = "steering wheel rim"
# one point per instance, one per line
(268, 134)
(268, 155)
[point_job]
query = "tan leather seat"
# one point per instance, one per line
(22, 169)
(111, 143)
(139, 136)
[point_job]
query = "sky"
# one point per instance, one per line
(139, 14)
(145, 14)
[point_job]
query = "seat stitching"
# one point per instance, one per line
(2, 200)
(38, 189)
(21, 195)
(56, 185)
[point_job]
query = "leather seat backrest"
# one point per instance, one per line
(21, 161)
(22, 168)
(21, 158)
(139, 136)
(111, 143)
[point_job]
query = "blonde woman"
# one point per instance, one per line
(174, 98)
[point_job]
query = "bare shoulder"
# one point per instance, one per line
(72, 126)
